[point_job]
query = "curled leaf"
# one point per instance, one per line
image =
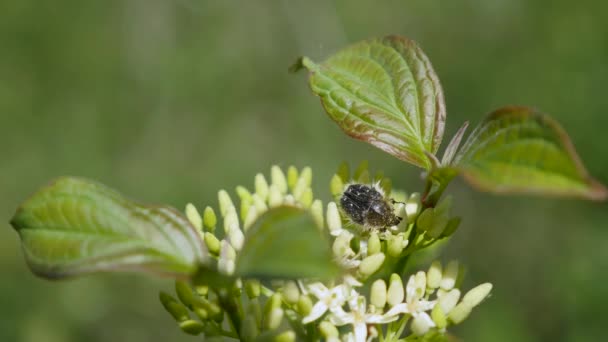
(517, 149)
(384, 92)
(76, 226)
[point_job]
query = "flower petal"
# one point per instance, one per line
(317, 311)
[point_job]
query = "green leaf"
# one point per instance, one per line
(76, 226)
(519, 150)
(285, 242)
(384, 92)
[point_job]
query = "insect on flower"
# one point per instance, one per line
(366, 205)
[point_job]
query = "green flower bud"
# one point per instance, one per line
(213, 310)
(299, 189)
(328, 330)
(364, 177)
(371, 264)
(373, 244)
(420, 326)
(201, 290)
(231, 220)
(395, 245)
(213, 244)
(209, 219)
(252, 215)
(236, 238)
(201, 313)
(412, 206)
(272, 319)
(448, 301)
(277, 178)
(439, 317)
(306, 198)
(387, 185)
(175, 308)
(433, 276)
(191, 327)
(378, 294)
(334, 223)
(477, 294)
(336, 186)
(304, 305)
(275, 197)
(253, 288)
(286, 336)
(344, 171)
(459, 313)
(425, 219)
(292, 177)
(449, 275)
(245, 208)
(259, 204)
(261, 186)
(243, 193)
(361, 168)
(316, 210)
(184, 293)
(306, 175)
(341, 245)
(291, 292)
(225, 202)
(193, 216)
(395, 293)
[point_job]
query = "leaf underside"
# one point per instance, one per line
(76, 226)
(520, 150)
(384, 92)
(285, 242)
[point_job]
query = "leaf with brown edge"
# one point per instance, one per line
(76, 226)
(384, 92)
(520, 150)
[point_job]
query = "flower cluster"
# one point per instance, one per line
(368, 300)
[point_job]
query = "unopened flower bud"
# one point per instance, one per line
(371, 264)
(213, 244)
(477, 294)
(175, 308)
(277, 178)
(286, 336)
(449, 275)
(261, 186)
(184, 293)
(192, 327)
(439, 317)
(291, 292)
(225, 202)
(448, 301)
(420, 325)
(373, 244)
(378, 294)
(292, 177)
(328, 330)
(252, 215)
(395, 293)
(412, 206)
(306, 175)
(341, 245)
(344, 171)
(273, 318)
(275, 197)
(420, 283)
(259, 203)
(201, 290)
(336, 186)
(306, 198)
(209, 219)
(252, 288)
(334, 224)
(316, 210)
(433, 276)
(193, 216)
(459, 313)
(304, 306)
(236, 238)
(395, 245)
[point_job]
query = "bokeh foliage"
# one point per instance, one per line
(171, 100)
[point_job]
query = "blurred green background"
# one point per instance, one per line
(170, 101)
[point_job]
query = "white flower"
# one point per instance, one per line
(415, 305)
(328, 299)
(359, 318)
